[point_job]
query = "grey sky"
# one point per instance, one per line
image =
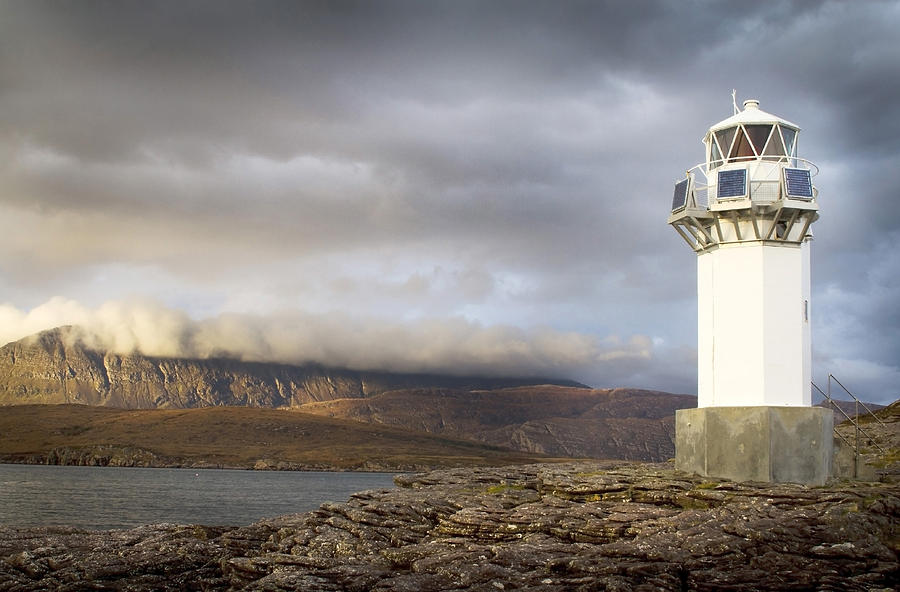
(430, 185)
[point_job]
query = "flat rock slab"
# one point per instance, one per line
(584, 526)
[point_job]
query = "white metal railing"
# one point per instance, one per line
(700, 177)
(792, 161)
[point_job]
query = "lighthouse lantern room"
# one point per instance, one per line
(747, 212)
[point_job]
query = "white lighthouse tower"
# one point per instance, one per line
(747, 211)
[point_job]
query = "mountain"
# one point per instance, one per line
(629, 424)
(534, 416)
(54, 367)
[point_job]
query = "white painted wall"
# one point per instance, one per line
(753, 340)
(806, 287)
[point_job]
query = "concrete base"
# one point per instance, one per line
(770, 444)
(846, 466)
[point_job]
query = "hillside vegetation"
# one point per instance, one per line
(879, 440)
(236, 437)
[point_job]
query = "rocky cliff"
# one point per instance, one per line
(549, 528)
(54, 367)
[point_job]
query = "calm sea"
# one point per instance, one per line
(108, 497)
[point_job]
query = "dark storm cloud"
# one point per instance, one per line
(505, 162)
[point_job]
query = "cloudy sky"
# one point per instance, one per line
(444, 186)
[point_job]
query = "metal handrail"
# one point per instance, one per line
(703, 170)
(833, 404)
(866, 407)
(853, 420)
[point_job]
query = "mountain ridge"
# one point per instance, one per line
(55, 367)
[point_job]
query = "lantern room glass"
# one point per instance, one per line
(724, 138)
(745, 142)
(775, 147)
(758, 135)
(741, 150)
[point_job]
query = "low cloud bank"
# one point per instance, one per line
(455, 346)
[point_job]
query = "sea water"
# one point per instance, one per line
(103, 498)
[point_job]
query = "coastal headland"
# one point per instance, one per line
(549, 527)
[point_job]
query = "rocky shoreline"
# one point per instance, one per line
(129, 456)
(548, 527)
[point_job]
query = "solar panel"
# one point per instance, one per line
(798, 183)
(679, 200)
(732, 183)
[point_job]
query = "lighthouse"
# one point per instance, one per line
(747, 213)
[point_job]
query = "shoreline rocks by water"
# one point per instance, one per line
(129, 456)
(549, 527)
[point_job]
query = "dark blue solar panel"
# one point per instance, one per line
(797, 183)
(732, 183)
(679, 200)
